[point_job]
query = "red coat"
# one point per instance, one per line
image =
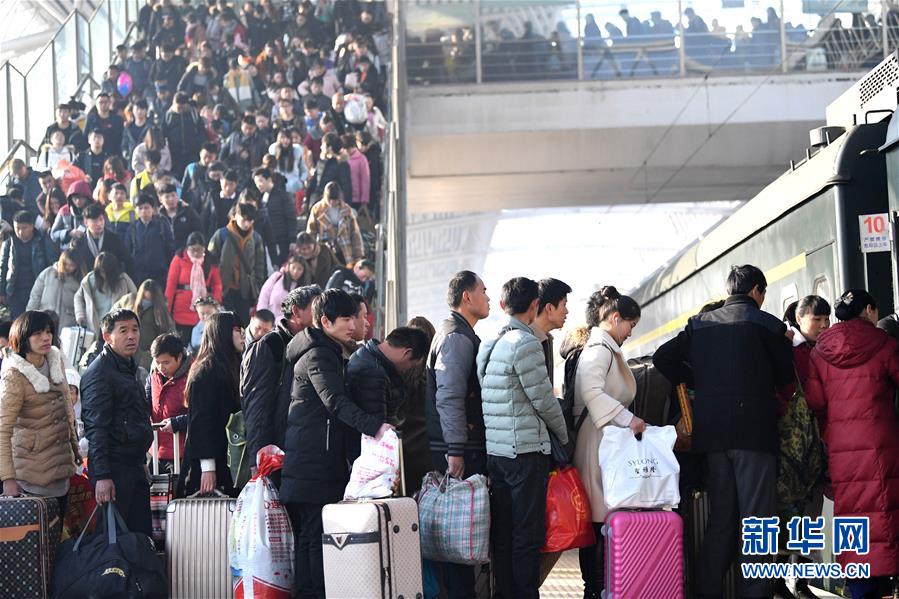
(854, 372)
(167, 397)
(178, 293)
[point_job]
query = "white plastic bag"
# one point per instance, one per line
(639, 473)
(260, 538)
(377, 468)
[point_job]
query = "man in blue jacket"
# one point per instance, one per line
(520, 413)
(23, 257)
(150, 243)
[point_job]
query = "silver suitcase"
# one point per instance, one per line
(196, 547)
(371, 549)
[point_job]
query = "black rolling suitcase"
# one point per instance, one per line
(30, 528)
(694, 510)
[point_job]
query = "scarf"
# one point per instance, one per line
(95, 246)
(197, 279)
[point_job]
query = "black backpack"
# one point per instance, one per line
(568, 385)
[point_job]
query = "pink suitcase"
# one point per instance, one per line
(644, 555)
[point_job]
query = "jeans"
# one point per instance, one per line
(306, 519)
(459, 579)
(132, 497)
(236, 303)
(518, 522)
(741, 484)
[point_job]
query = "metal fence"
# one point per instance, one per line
(483, 41)
(71, 64)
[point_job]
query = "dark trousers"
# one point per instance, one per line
(306, 519)
(18, 301)
(593, 564)
(741, 484)
(235, 302)
(185, 331)
(132, 497)
(518, 522)
(459, 579)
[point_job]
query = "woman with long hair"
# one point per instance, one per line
(99, 290)
(153, 140)
(289, 160)
(150, 305)
(38, 444)
(604, 390)
(193, 275)
(55, 289)
(852, 381)
(275, 290)
(49, 210)
(212, 395)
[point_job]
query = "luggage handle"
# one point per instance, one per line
(113, 518)
(216, 494)
(176, 446)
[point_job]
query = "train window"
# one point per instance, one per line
(821, 287)
(788, 295)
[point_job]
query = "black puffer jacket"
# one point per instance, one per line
(282, 218)
(116, 414)
(265, 385)
(375, 384)
(322, 422)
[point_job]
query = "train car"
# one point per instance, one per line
(805, 229)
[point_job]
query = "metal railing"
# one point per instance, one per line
(484, 41)
(391, 241)
(79, 52)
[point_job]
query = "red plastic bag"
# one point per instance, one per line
(79, 506)
(569, 524)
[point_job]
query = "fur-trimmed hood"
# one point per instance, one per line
(14, 361)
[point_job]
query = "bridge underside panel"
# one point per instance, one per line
(499, 147)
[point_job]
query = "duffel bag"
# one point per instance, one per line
(455, 519)
(113, 562)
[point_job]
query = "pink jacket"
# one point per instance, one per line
(360, 177)
(272, 294)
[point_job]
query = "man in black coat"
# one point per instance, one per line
(185, 132)
(734, 358)
(282, 215)
(322, 423)
(97, 239)
(265, 374)
(116, 417)
(245, 146)
(374, 374)
(23, 256)
(181, 218)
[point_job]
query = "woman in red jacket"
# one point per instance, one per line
(192, 275)
(853, 374)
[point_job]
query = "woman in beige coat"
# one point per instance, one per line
(605, 387)
(38, 443)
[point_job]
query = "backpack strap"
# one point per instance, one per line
(585, 412)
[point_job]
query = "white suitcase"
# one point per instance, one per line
(74, 341)
(371, 549)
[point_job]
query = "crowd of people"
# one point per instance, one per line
(209, 222)
(313, 386)
(643, 47)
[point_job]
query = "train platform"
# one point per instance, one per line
(565, 581)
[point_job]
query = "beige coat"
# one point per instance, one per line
(604, 384)
(38, 443)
